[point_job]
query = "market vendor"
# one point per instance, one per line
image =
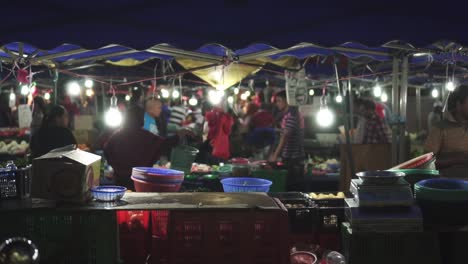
(53, 133)
(448, 139)
(374, 129)
(291, 143)
(133, 146)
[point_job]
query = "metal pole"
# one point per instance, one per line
(350, 96)
(403, 102)
(395, 110)
(56, 77)
(349, 150)
(418, 110)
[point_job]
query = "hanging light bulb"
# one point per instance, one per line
(24, 90)
(247, 93)
(325, 117)
(311, 92)
(339, 98)
(244, 96)
(12, 95)
(215, 96)
(127, 98)
(193, 101)
(230, 99)
(89, 92)
(377, 90)
(164, 93)
(450, 86)
(113, 117)
(236, 90)
(89, 83)
(175, 94)
(47, 96)
(73, 89)
(435, 93)
(384, 97)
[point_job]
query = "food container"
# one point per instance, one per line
(380, 177)
(108, 193)
(240, 167)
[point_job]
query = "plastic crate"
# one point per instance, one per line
(330, 218)
(390, 248)
(15, 184)
(219, 236)
(277, 177)
(302, 220)
(134, 235)
(66, 237)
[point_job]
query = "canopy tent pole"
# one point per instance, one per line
(56, 77)
(403, 102)
(349, 151)
(350, 97)
(418, 110)
(395, 109)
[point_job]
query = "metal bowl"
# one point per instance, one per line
(380, 177)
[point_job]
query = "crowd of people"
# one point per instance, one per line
(269, 130)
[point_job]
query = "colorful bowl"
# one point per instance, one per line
(144, 186)
(108, 193)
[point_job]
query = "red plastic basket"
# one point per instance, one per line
(219, 236)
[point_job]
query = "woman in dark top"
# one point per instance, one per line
(53, 133)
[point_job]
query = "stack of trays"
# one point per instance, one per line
(157, 179)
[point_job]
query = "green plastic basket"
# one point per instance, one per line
(278, 177)
(182, 158)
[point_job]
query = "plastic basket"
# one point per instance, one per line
(246, 185)
(277, 177)
(182, 158)
(15, 184)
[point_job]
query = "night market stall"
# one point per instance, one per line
(366, 219)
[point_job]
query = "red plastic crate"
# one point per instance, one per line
(134, 234)
(219, 236)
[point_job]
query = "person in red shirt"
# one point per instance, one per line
(263, 118)
(132, 146)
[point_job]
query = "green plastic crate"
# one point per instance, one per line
(66, 237)
(278, 177)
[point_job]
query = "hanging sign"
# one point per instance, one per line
(296, 87)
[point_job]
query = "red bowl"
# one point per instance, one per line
(143, 186)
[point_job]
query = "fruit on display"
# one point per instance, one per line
(13, 147)
(339, 195)
(322, 164)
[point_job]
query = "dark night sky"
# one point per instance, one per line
(236, 24)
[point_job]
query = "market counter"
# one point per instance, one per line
(157, 201)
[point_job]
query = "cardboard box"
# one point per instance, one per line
(65, 174)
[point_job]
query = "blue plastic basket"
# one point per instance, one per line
(246, 185)
(108, 193)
